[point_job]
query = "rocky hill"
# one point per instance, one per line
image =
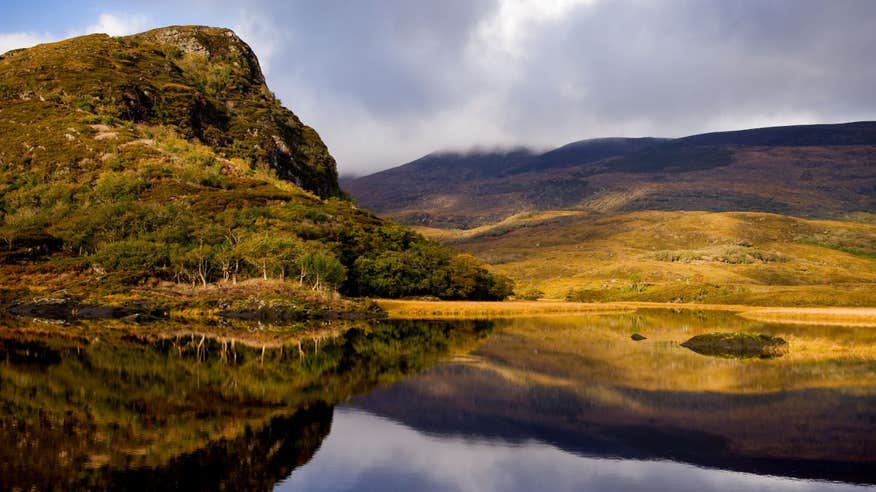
(163, 159)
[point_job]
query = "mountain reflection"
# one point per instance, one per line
(581, 385)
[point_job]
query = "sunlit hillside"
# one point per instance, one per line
(753, 258)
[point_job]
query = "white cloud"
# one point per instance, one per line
(118, 26)
(261, 35)
(14, 40)
(111, 24)
(507, 29)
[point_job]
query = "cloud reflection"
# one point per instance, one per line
(367, 452)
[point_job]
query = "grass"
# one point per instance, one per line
(413, 309)
(682, 257)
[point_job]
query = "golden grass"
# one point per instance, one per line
(524, 219)
(792, 262)
(404, 309)
(863, 317)
(412, 309)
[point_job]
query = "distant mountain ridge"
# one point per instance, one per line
(807, 170)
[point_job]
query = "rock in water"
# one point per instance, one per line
(637, 337)
(738, 345)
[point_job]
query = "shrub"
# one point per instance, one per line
(322, 269)
(531, 295)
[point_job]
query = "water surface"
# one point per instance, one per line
(551, 403)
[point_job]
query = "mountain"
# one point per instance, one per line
(585, 152)
(769, 216)
(817, 171)
(130, 166)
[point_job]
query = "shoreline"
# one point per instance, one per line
(412, 309)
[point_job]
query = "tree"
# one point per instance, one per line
(257, 251)
(322, 269)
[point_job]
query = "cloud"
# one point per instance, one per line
(386, 81)
(116, 25)
(15, 40)
(263, 37)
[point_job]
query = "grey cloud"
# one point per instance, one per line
(392, 57)
(386, 81)
(683, 66)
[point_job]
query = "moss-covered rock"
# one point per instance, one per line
(738, 345)
(204, 81)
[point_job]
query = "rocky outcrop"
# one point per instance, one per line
(204, 82)
(738, 345)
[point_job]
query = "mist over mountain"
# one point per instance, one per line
(809, 170)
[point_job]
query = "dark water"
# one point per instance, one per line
(555, 403)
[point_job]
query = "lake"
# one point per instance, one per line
(549, 403)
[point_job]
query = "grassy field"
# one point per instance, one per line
(682, 257)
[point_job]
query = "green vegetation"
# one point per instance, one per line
(163, 157)
(731, 255)
(531, 295)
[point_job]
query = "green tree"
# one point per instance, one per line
(322, 269)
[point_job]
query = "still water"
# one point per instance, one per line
(552, 403)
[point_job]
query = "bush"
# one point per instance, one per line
(531, 295)
(581, 295)
(134, 257)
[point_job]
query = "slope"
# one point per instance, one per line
(162, 158)
(818, 171)
(729, 257)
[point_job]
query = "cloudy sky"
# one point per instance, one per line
(387, 81)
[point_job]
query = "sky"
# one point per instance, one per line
(387, 81)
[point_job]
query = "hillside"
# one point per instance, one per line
(672, 256)
(769, 216)
(814, 171)
(130, 166)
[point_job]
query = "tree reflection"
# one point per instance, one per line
(203, 409)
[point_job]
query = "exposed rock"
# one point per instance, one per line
(738, 345)
(69, 308)
(47, 307)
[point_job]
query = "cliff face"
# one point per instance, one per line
(206, 82)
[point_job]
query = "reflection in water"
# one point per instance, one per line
(583, 386)
(366, 452)
(104, 409)
(559, 403)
